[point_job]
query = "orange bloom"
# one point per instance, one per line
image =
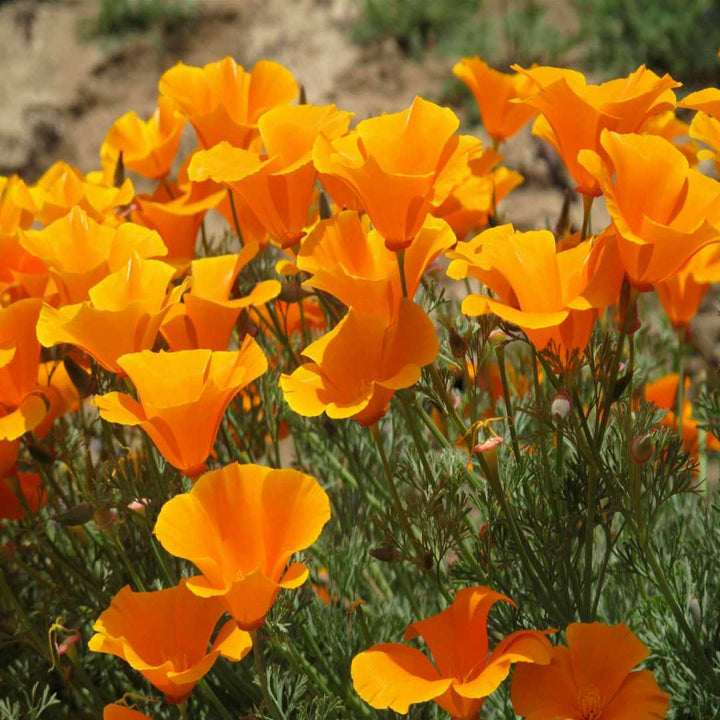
(357, 366)
(79, 252)
(705, 126)
(591, 678)
(278, 184)
(352, 263)
(552, 295)
(240, 526)
(122, 315)
(391, 675)
(59, 392)
(290, 318)
(207, 316)
(682, 293)
(494, 92)
(183, 397)
(164, 635)
(29, 485)
(400, 166)
(224, 102)
(674, 130)
(121, 712)
(148, 147)
(662, 210)
(574, 114)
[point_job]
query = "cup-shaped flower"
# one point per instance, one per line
(240, 526)
(148, 146)
(552, 294)
(122, 315)
(277, 184)
(494, 92)
(165, 634)
(464, 672)
(19, 351)
(351, 262)
(663, 211)
(80, 252)
(574, 114)
(223, 101)
(183, 397)
(669, 126)
(207, 316)
(122, 712)
(705, 126)
(356, 368)
(400, 166)
(590, 678)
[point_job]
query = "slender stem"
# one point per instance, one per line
(500, 352)
(262, 677)
(681, 332)
(589, 537)
(238, 231)
(400, 254)
(587, 213)
(182, 707)
(209, 693)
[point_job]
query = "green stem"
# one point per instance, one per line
(238, 231)
(262, 677)
(400, 254)
(587, 213)
(209, 693)
(681, 332)
(500, 352)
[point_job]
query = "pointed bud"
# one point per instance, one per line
(499, 339)
(385, 553)
(119, 174)
(458, 344)
(82, 380)
(695, 611)
(642, 448)
(324, 209)
(78, 515)
(292, 292)
(561, 405)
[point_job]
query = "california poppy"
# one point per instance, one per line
(19, 351)
(29, 486)
(122, 712)
(356, 368)
(240, 526)
(590, 678)
(494, 92)
(669, 126)
(552, 294)
(662, 210)
(122, 315)
(164, 635)
(148, 147)
(400, 166)
(207, 316)
(58, 391)
(183, 397)
(223, 101)
(80, 252)
(574, 114)
(351, 262)
(292, 317)
(277, 184)
(464, 672)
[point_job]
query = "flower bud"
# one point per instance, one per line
(458, 344)
(78, 515)
(292, 292)
(561, 405)
(104, 518)
(499, 339)
(642, 448)
(488, 449)
(385, 553)
(695, 611)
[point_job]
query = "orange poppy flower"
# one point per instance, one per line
(164, 635)
(63, 187)
(574, 114)
(663, 393)
(183, 397)
(552, 294)
(494, 92)
(674, 130)
(682, 293)
(19, 351)
(278, 184)
(240, 526)
(391, 675)
(705, 126)
(59, 393)
(400, 166)
(148, 146)
(591, 678)
(122, 315)
(8, 456)
(207, 316)
(357, 366)
(352, 263)
(80, 252)
(224, 102)
(122, 712)
(658, 227)
(29, 485)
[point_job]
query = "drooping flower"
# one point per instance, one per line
(183, 397)
(574, 114)
(278, 183)
(224, 102)
(591, 678)
(122, 315)
(400, 166)
(351, 262)
(80, 252)
(240, 526)
(207, 315)
(662, 210)
(356, 368)
(464, 671)
(164, 635)
(553, 295)
(494, 92)
(148, 146)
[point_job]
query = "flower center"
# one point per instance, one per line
(589, 702)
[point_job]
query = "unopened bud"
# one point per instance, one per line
(82, 380)
(499, 339)
(489, 444)
(104, 518)
(324, 209)
(139, 506)
(385, 553)
(695, 611)
(67, 646)
(458, 344)
(642, 448)
(561, 405)
(78, 515)
(292, 292)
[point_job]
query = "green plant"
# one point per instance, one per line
(119, 17)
